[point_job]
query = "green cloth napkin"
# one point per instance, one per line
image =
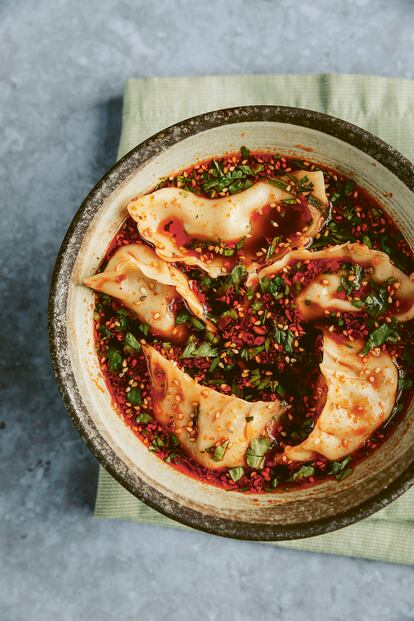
(383, 106)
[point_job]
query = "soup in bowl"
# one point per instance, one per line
(232, 322)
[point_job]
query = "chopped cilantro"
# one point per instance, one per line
(280, 391)
(250, 291)
(236, 473)
(144, 418)
(105, 300)
(220, 451)
(215, 180)
(214, 364)
(240, 243)
(244, 151)
(206, 282)
(145, 328)
(271, 249)
(255, 351)
(103, 330)
(199, 325)
(376, 301)
(285, 338)
(131, 342)
(350, 284)
(134, 396)
(344, 474)
(338, 467)
(204, 350)
(303, 473)
(337, 234)
(115, 360)
(349, 186)
(384, 333)
(237, 274)
(230, 313)
(257, 451)
(182, 317)
(122, 320)
(273, 483)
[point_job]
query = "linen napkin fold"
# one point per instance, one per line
(385, 107)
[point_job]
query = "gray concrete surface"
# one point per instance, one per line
(62, 71)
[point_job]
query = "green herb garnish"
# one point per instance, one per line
(204, 350)
(273, 483)
(213, 366)
(303, 473)
(236, 473)
(134, 396)
(339, 468)
(285, 338)
(220, 451)
(230, 313)
(199, 325)
(144, 418)
(215, 180)
(145, 328)
(245, 153)
(103, 330)
(182, 317)
(115, 360)
(271, 249)
(257, 451)
(386, 332)
(236, 276)
(131, 342)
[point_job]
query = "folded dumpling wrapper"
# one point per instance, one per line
(361, 393)
(203, 418)
(223, 219)
(147, 285)
(319, 295)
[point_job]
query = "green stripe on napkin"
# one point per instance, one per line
(383, 106)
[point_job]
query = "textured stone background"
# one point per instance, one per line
(62, 71)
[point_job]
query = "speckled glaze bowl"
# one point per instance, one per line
(381, 478)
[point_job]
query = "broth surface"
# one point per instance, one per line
(262, 350)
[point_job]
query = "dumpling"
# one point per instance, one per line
(361, 392)
(204, 419)
(321, 293)
(148, 286)
(171, 218)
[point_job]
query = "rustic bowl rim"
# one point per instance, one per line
(338, 128)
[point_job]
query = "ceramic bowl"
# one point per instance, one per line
(378, 168)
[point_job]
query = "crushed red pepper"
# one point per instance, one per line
(264, 349)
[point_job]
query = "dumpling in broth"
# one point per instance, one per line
(147, 285)
(321, 294)
(361, 392)
(171, 218)
(214, 429)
